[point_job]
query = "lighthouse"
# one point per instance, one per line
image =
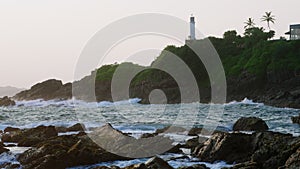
(192, 28)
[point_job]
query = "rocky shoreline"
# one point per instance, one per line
(49, 148)
(278, 93)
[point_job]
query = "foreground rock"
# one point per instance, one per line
(76, 127)
(5, 101)
(29, 137)
(102, 145)
(2, 149)
(119, 143)
(250, 124)
(296, 119)
(65, 151)
(294, 161)
(267, 150)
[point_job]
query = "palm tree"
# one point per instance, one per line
(249, 23)
(268, 17)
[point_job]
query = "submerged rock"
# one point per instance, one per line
(250, 124)
(296, 119)
(5, 101)
(29, 137)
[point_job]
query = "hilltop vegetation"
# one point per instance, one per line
(253, 53)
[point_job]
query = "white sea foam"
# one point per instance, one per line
(245, 101)
(73, 103)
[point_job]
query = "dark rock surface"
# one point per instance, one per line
(296, 119)
(119, 143)
(65, 151)
(250, 124)
(268, 150)
(5, 101)
(30, 137)
(2, 148)
(231, 148)
(47, 90)
(74, 128)
(293, 161)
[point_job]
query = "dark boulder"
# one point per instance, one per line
(119, 143)
(296, 119)
(272, 149)
(293, 161)
(74, 128)
(11, 129)
(235, 147)
(156, 162)
(66, 151)
(5, 101)
(2, 148)
(250, 124)
(196, 166)
(267, 149)
(30, 137)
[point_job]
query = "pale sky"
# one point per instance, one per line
(42, 39)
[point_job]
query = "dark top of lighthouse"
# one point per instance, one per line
(192, 19)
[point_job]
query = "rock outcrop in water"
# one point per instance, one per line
(250, 124)
(5, 101)
(29, 137)
(266, 150)
(296, 119)
(47, 90)
(260, 150)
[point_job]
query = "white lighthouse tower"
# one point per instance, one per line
(192, 28)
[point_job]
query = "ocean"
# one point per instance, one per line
(134, 118)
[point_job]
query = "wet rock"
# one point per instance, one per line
(2, 148)
(250, 124)
(74, 128)
(293, 161)
(272, 149)
(5, 101)
(246, 165)
(136, 166)
(196, 166)
(156, 162)
(66, 151)
(119, 143)
(268, 150)
(11, 129)
(9, 165)
(235, 147)
(203, 131)
(30, 137)
(296, 119)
